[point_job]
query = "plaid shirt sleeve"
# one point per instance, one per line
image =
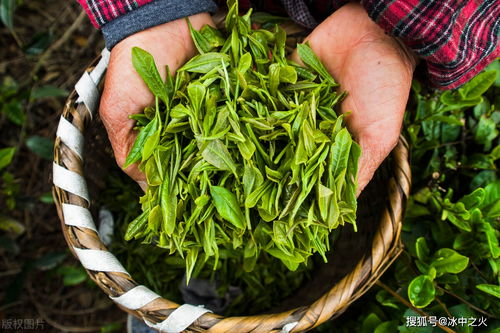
(101, 12)
(457, 39)
(119, 19)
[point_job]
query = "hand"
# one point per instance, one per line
(376, 71)
(124, 91)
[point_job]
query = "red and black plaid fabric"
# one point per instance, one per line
(456, 38)
(101, 12)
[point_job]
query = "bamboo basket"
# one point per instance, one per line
(356, 261)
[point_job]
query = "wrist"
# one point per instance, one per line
(409, 54)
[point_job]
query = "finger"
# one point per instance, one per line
(376, 144)
(121, 135)
(295, 57)
(369, 162)
(117, 104)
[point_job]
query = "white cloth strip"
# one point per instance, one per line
(70, 136)
(86, 87)
(289, 327)
(88, 92)
(100, 68)
(136, 298)
(98, 260)
(70, 181)
(180, 319)
(77, 216)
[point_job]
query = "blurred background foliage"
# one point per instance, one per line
(45, 45)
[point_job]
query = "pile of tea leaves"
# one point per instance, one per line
(244, 153)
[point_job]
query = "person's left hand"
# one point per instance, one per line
(125, 93)
(376, 71)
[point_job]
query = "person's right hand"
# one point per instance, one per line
(376, 71)
(124, 91)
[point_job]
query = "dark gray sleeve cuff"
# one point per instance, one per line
(152, 14)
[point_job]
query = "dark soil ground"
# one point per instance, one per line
(32, 292)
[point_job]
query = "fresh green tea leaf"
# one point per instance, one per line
(217, 154)
(310, 59)
(227, 206)
(168, 201)
(145, 65)
(200, 41)
(137, 151)
(204, 63)
(137, 226)
(245, 63)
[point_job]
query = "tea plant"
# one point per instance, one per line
(450, 266)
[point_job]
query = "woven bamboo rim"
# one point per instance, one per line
(385, 247)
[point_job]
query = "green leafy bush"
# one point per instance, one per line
(450, 267)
